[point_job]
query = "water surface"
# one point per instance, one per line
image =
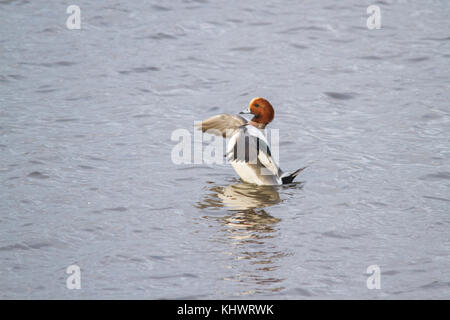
(86, 176)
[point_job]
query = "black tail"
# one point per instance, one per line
(291, 177)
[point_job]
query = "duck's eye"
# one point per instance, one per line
(256, 105)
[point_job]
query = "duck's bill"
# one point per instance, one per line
(246, 111)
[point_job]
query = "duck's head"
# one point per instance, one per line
(262, 110)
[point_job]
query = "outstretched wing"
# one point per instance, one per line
(222, 124)
(249, 145)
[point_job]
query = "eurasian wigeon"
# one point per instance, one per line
(248, 149)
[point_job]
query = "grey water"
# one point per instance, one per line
(87, 177)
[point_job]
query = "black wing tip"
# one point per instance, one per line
(288, 179)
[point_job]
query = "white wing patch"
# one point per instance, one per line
(249, 145)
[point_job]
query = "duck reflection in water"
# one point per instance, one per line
(250, 233)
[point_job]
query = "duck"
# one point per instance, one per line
(248, 150)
